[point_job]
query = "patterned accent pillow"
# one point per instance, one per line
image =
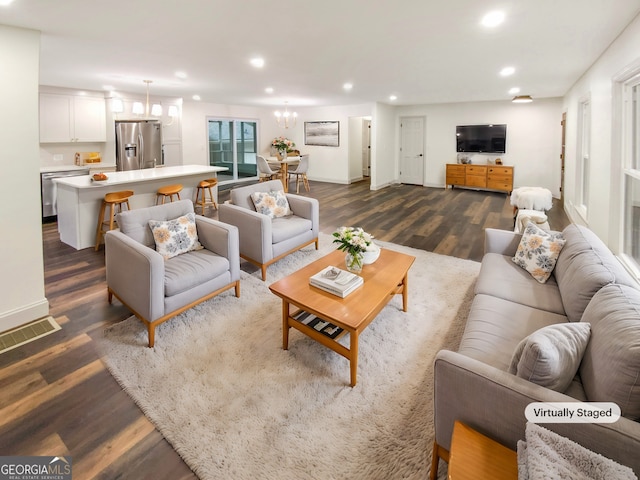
(274, 204)
(177, 236)
(538, 251)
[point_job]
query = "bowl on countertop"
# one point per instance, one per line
(99, 178)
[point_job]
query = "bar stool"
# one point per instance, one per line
(201, 190)
(114, 200)
(168, 191)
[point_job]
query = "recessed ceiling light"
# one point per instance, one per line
(493, 19)
(393, 97)
(506, 71)
(347, 86)
(257, 62)
(269, 90)
(181, 75)
(514, 90)
(4, 3)
(196, 97)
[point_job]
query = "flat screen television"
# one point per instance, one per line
(481, 138)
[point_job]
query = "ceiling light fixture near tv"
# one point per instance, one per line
(490, 138)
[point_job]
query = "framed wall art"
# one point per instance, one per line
(325, 134)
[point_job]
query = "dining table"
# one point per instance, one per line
(284, 163)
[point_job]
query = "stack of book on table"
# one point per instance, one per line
(336, 281)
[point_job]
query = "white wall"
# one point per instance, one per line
(384, 142)
(533, 138)
(605, 186)
(22, 280)
(329, 164)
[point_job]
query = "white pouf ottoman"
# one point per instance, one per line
(531, 198)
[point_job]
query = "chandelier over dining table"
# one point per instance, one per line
(286, 119)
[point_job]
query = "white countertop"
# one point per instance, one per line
(137, 176)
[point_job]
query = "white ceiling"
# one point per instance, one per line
(423, 51)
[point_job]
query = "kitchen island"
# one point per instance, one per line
(79, 198)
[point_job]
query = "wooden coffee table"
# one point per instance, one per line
(382, 280)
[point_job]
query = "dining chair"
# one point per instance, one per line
(265, 171)
(301, 172)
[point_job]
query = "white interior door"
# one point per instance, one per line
(412, 150)
(366, 148)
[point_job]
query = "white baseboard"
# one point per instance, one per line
(380, 187)
(328, 180)
(25, 314)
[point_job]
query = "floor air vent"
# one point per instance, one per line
(27, 333)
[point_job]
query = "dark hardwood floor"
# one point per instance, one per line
(59, 399)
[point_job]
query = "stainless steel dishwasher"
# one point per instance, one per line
(48, 189)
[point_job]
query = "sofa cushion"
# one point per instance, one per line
(502, 278)
(185, 271)
(584, 266)
(273, 204)
(285, 228)
(538, 251)
(176, 236)
(496, 326)
(610, 369)
(551, 356)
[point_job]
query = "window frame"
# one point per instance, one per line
(235, 123)
(583, 157)
(629, 165)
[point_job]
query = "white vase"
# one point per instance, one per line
(371, 256)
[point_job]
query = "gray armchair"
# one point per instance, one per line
(264, 240)
(155, 289)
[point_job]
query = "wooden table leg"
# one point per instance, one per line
(285, 325)
(353, 361)
(405, 291)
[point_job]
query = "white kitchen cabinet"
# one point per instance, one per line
(71, 118)
(172, 154)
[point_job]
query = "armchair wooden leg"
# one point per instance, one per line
(316, 244)
(438, 453)
(237, 287)
(152, 334)
(110, 296)
(264, 272)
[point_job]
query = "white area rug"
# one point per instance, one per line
(235, 405)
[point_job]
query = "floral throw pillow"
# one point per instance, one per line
(538, 251)
(274, 204)
(177, 236)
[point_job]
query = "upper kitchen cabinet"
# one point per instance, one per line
(72, 118)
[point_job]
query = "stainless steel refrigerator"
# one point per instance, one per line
(138, 144)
